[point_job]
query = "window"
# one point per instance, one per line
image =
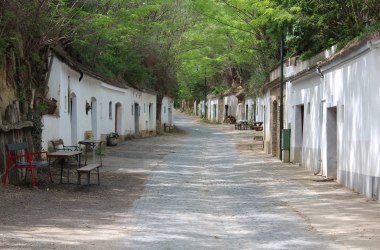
(164, 109)
(308, 108)
(144, 108)
(132, 110)
(110, 110)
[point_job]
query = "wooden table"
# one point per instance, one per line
(241, 124)
(65, 155)
(90, 143)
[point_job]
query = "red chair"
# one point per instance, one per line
(19, 157)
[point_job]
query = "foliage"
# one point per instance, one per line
(113, 135)
(36, 117)
(174, 46)
(132, 41)
(318, 25)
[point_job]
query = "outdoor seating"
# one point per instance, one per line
(58, 145)
(19, 157)
(241, 125)
(87, 168)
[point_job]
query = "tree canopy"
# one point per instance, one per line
(172, 46)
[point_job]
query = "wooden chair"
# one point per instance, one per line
(20, 157)
(58, 145)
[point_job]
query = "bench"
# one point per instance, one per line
(87, 169)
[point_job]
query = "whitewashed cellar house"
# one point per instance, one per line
(89, 102)
(167, 109)
(332, 107)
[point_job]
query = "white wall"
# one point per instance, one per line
(341, 131)
(70, 125)
(249, 112)
(266, 104)
(352, 86)
(212, 108)
(305, 141)
(167, 110)
(232, 103)
(260, 107)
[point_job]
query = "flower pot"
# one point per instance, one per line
(51, 108)
(112, 141)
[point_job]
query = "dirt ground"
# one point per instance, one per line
(71, 216)
(74, 215)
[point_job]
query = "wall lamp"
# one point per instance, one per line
(88, 107)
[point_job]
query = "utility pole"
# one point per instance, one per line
(281, 93)
(205, 95)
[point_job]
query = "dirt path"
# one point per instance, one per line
(68, 216)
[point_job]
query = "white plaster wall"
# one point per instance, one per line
(266, 118)
(352, 86)
(232, 103)
(250, 111)
(201, 108)
(260, 107)
(307, 92)
(64, 82)
(166, 105)
(52, 129)
(213, 112)
(150, 119)
(109, 94)
(195, 108)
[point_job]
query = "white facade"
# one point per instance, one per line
(259, 109)
(167, 111)
(213, 109)
(110, 108)
(195, 108)
(304, 114)
(266, 102)
(230, 103)
(332, 111)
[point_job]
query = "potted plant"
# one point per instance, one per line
(112, 139)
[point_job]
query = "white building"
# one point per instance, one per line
(214, 109)
(332, 109)
(167, 109)
(89, 102)
(230, 103)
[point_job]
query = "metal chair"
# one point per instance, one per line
(19, 157)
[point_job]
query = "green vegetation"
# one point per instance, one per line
(174, 46)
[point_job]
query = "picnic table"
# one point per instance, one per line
(65, 155)
(241, 125)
